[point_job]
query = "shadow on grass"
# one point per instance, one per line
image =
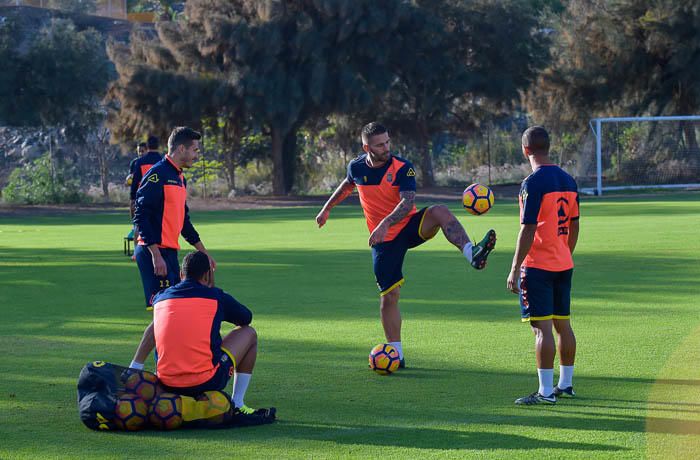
(331, 284)
(424, 438)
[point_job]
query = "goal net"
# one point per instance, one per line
(641, 152)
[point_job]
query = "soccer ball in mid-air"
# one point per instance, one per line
(130, 412)
(384, 359)
(143, 384)
(166, 411)
(477, 199)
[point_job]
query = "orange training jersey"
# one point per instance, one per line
(186, 323)
(379, 189)
(549, 198)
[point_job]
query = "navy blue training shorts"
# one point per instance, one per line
(388, 257)
(218, 381)
(544, 294)
(153, 284)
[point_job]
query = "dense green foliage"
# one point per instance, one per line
(281, 66)
(40, 182)
(55, 78)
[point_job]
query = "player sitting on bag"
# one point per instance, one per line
(192, 357)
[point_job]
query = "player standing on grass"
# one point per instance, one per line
(161, 216)
(543, 264)
(140, 166)
(387, 187)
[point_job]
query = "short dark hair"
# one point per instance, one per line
(141, 144)
(182, 135)
(536, 139)
(153, 143)
(195, 265)
(372, 129)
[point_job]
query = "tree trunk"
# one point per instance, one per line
(104, 169)
(231, 143)
(428, 180)
(289, 156)
(278, 176)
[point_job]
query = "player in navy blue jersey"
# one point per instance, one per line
(543, 264)
(386, 184)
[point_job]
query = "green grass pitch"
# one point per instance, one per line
(68, 296)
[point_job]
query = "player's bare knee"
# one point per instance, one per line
(251, 334)
(441, 212)
(542, 329)
(390, 299)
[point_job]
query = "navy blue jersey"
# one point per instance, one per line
(161, 207)
(187, 321)
(139, 167)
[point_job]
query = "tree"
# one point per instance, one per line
(280, 63)
(56, 80)
(632, 56)
(464, 57)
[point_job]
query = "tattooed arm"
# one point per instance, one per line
(400, 211)
(343, 191)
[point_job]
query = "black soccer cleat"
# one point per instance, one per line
(402, 364)
(568, 391)
(481, 251)
(536, 398)
(258, 417)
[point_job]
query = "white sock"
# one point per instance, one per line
(135, 365)
(240, 386)
(546, 377)
(467, 251)
(397, 345)
(566, 375)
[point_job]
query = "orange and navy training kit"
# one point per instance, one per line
(161, 216)
(379, 190)
(139, 167)
(548, 198)
(187, 320)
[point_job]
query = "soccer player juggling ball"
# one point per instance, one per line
(161, 216)
(387, 187)
(543, 264)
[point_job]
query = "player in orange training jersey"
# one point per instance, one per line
(386, 184)
(542, 264)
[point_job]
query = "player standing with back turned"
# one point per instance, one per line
(543, 264)
(387, 187)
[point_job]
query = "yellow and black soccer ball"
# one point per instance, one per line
(166, 411)
(130, 412)
(384, 359)
(477, 199)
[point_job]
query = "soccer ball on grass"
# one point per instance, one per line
(384, 359)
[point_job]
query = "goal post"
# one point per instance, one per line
(645, 152)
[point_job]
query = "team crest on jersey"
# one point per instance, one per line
(411, 173)
(389, 176)
(153, 178)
